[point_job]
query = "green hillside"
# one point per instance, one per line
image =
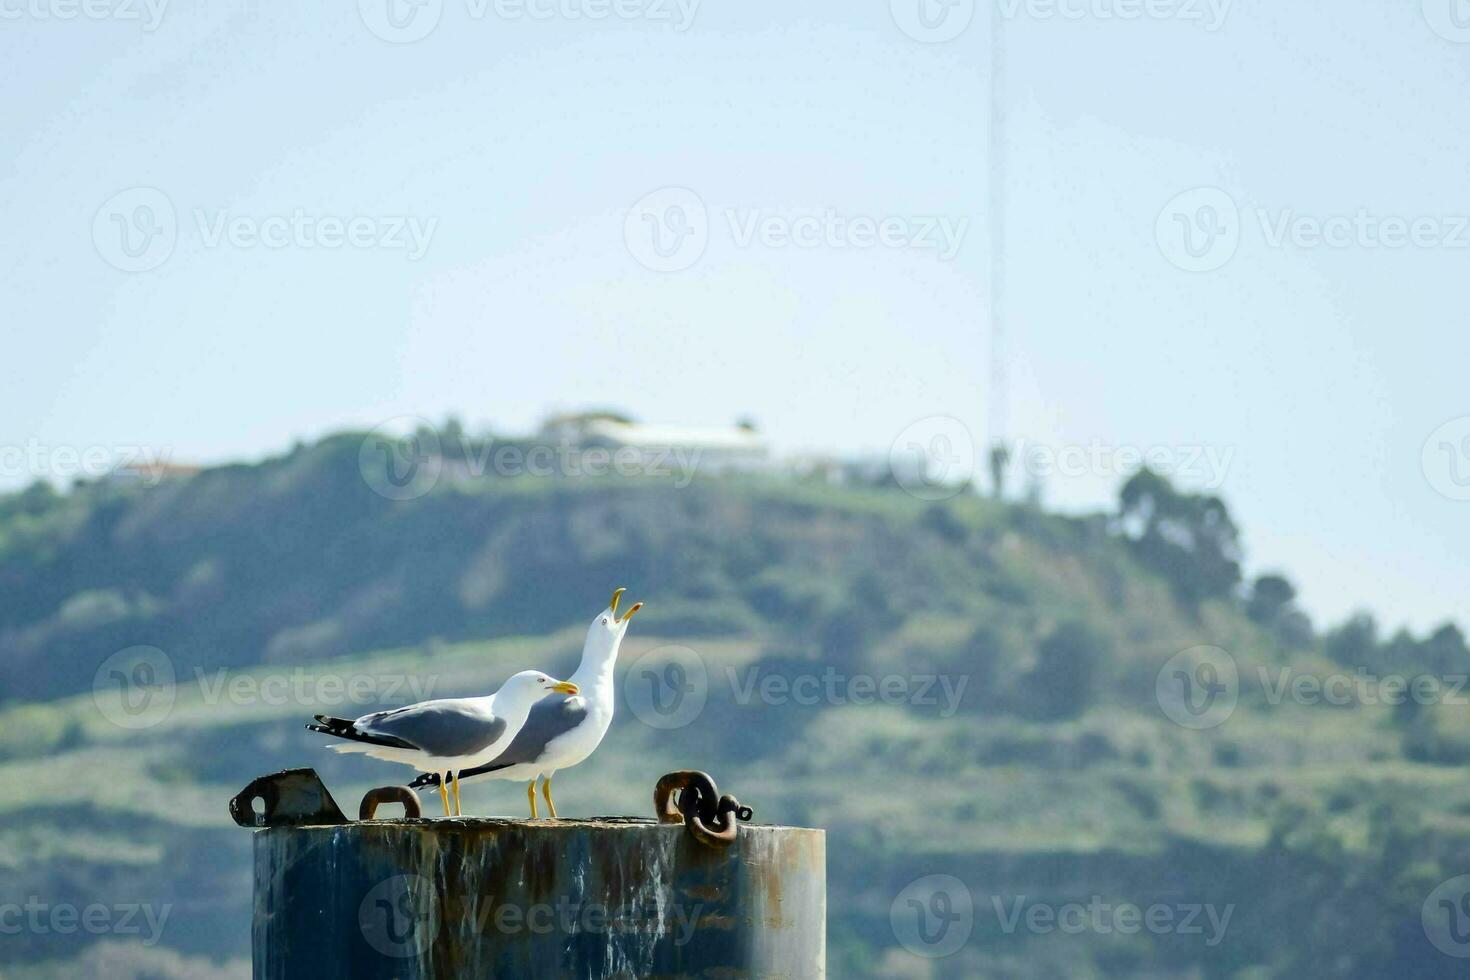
(1024, 749)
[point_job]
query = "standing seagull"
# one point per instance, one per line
(561, 732)
(447, 735)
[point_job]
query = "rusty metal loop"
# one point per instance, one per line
(710, 818)
(374, 798)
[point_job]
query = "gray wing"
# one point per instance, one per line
(550, 718)
(444, 728)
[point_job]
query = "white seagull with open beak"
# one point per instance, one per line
(561, 731)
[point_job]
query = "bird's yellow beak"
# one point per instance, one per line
(636, 606)
(617, 594)
(566, 687)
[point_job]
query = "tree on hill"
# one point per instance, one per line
(1190, 538)
(1270, 594)
(1355, 642)
(1272, 604)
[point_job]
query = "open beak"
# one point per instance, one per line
(566, 687)
(636, 606)
(617, 594)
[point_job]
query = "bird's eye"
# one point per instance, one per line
(604, 621)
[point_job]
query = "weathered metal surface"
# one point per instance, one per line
(375, 798)
(709, 817)
(601, 898)
(293, 798)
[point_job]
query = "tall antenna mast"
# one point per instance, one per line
(999, 456)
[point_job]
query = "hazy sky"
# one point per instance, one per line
(234, 225)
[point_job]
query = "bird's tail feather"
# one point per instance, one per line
(430, 780)
(342, 728)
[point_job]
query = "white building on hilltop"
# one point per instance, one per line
(712, 449)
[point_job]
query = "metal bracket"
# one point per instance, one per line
(294, 798)
(709, 817)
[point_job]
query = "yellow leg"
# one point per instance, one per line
(444, 795)
(546, 792)
(456, 795)
(531, 795)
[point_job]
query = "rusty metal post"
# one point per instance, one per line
(602, 898)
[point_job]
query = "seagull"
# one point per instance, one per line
(561, 732)
(446, 735)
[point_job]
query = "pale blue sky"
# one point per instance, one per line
(1312, 375)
